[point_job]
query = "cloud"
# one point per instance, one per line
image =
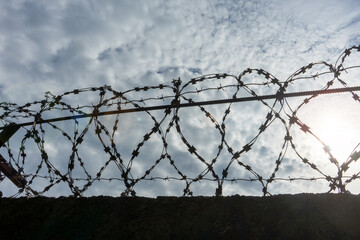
(60, 46)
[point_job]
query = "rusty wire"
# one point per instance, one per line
(31, 117)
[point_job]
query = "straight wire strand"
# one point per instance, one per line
(30, 162)
(278, 96)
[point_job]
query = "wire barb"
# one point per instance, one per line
(167, 128)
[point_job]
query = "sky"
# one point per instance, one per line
(58, 46)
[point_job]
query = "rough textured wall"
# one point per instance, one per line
(303, 216)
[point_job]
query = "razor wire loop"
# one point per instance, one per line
(180, 97)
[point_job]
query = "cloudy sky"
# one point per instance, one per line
(59, 46)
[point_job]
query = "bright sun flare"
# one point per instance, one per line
(338, 135)
(336, 122)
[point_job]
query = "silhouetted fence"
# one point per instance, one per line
(26, 129)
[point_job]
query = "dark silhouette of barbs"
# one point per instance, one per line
(31, 119)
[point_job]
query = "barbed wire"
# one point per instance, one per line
(33, 119)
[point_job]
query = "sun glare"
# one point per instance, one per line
(338, 136)
(336, 122)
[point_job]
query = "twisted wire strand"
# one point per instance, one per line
(32, 118)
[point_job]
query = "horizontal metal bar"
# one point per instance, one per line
(193, 104)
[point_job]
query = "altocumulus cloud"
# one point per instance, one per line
(58, 46)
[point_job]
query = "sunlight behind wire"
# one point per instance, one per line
(158, 121)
